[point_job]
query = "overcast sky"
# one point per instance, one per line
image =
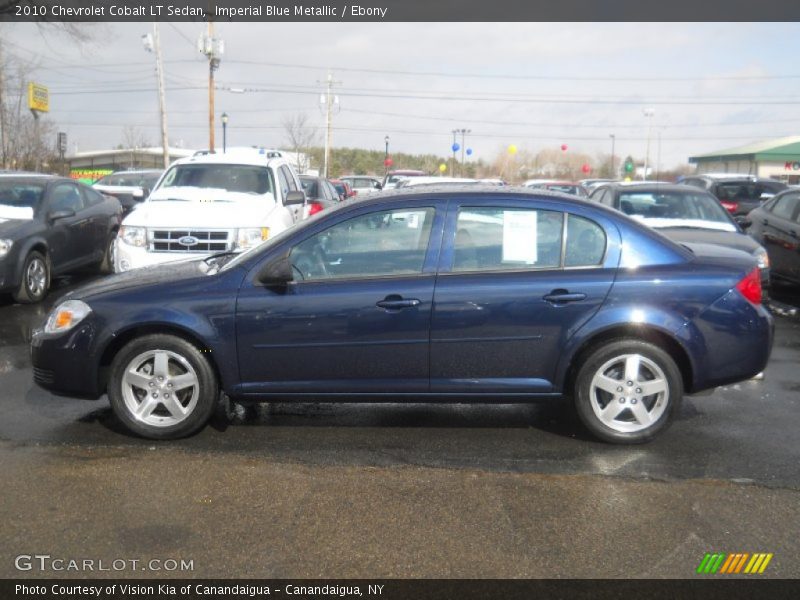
(711, 86)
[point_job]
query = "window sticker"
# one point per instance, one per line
(519, 236)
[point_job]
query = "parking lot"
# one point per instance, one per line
(399, 490)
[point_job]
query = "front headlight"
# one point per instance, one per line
(133, 236)
(762, 257)
(66, 315)
(253, 236)
(5, 247)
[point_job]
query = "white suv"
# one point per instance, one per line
(210, 203)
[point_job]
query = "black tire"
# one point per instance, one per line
(624, 421)
(106, 264)
(35, 279)
(183, 360)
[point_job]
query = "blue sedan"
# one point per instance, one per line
(483, 295)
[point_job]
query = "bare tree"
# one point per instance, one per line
(300, 136)
(134, 138)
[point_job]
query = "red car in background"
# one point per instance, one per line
(344, 189)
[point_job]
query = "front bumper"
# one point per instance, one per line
(67, 363)
(127, 257)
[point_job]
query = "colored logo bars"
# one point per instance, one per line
(731, 564)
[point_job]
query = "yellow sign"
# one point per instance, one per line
(38, 97)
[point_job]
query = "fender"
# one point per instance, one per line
(642, 317)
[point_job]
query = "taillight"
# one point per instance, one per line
(314, 208)
(730, 206)
(750, 286)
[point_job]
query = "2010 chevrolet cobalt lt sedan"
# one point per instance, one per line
(485, 295)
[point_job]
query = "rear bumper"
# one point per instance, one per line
(732, 339)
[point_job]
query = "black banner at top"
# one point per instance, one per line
(400, 10)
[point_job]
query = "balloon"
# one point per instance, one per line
(627, 180)
(469, 151)
(564, 147)
(456, 147)
(586, 168)
(512, 149)
(388, 162)
(442, 168)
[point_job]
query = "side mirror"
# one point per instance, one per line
(744, 222)
(378, 186)
(277, 272)
(295, 198)
(61, 214)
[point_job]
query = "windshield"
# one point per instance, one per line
(673, 209)
(19, 199)
(129, 179)
(247, 179)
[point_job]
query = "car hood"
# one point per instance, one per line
(201, 208)
(12, 227)
(728, 239)
(164, 273)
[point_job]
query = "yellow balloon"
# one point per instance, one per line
(442, 168)
(627, 180)
(512, 149)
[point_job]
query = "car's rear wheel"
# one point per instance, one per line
(35, 279)
(627, 391)
(162, 387)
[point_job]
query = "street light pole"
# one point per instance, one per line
(386, 156)
(224, 119)
(613, 139)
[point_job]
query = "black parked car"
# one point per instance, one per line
(49, 226)
(684, 214)
(129, 187)
(776, 225)
(739, 194)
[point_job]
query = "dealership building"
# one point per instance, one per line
(778, 159)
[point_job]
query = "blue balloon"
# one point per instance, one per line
(456, 147)
(469, 151)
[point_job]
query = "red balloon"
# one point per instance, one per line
(586, 168)
(388, 162)
(564, 147)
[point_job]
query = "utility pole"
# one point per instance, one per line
(328, 99)
(154, 45)
(648, 113)
(213, 48)
(463, 133)
(2, 113)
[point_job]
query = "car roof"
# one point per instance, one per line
(259, 157)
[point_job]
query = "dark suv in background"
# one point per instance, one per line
(739, 194)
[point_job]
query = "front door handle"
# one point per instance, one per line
(562, 297)
(396, 302)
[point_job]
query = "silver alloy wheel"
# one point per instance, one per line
(36, 277)
(629, 393)
(160, 388)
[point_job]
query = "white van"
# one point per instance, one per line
(211, 203)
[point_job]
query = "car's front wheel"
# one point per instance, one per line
(35, 279)
(162, 387)
(627, 391)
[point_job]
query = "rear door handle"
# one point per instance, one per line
(395, 302)
(563, 296)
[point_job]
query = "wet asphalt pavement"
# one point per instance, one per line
(403, 490)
